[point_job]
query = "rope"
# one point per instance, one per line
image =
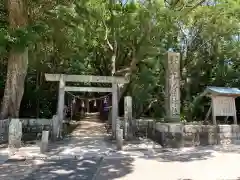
(78, 97)
(90, 99)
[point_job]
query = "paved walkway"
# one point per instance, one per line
(80, 153)
(63, 169)
(87, 156)
(208, 163)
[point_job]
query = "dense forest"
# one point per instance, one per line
(85, 36)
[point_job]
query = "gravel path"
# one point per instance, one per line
(75, 157)
(63, 169)
(203, 163)
(86, 156)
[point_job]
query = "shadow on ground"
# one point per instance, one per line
(63, 169)
(69, 162)
(194, 154)
(87, 139)
(116, 165)
(80, 146)
(71, 127)
(81, 169)
(170, 155)
(114, 168)
(189, 154)
(15, 169)
(197, 153)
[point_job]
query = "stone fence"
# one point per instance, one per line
(187, 135)
(36, 122)
(4, 130)
(4, 125)
(179, 135)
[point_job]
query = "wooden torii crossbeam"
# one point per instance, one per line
(63, 78)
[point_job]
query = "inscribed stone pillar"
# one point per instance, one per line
(172, 88)
(15, 133)
(127, 115)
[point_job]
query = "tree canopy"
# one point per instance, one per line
(81, 37)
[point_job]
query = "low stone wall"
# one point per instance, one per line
(144, 126)
(187, 135)
(4, 126)
(4, 130)
(36, 122)
(179, 135)
(141, 123)
(32, 128)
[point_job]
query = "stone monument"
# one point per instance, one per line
(173, 136)
(15, 133)
(172, 87)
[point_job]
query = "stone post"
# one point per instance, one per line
(87, 106)
(55, 127)
(44, 142)
(119, 139)
(119, 134)
(15, 134)
(127, 115)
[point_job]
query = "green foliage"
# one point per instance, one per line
(73, 37)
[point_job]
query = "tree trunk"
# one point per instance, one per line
(17, 64)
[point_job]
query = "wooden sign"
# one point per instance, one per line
(224, 106)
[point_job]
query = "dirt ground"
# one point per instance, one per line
(200, 163)
(86, 154)
(90, 126)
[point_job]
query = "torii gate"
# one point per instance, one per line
(63, 78)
